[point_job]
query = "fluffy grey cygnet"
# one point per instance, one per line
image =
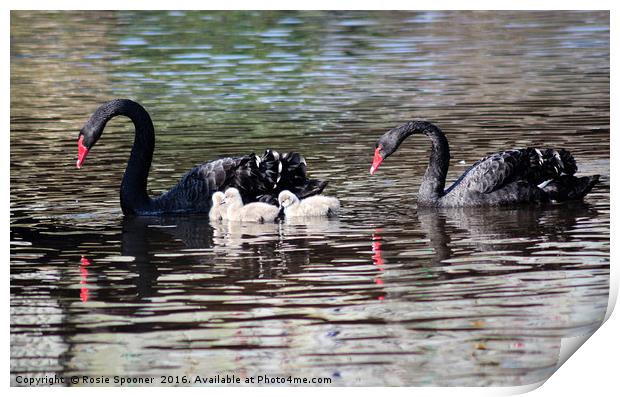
(218, 208)
(312, 206)
(252, 212)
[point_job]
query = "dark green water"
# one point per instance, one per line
(385, 295)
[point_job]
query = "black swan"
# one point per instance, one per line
(512, 177)
(257, 178)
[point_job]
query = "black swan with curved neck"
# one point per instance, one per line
(257, 178)
(516, 176)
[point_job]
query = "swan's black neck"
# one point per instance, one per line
(134, 198)
(434, 180)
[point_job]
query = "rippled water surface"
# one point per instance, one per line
(387, 294)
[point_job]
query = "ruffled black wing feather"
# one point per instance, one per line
(257, 178)
(532, 165)
(285, 172)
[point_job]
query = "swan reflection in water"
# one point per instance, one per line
(234, 251)
(499, 230)
(455, 243)
(264, 285)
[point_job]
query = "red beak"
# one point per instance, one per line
(376, 162)
(82, 152)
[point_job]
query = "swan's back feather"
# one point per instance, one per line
(531, 165)
(569, 187)
(257, 179)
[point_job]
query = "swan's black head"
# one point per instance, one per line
(86, 140)
(390, 141)
(92, 130)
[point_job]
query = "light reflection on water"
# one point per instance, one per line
(385, 295)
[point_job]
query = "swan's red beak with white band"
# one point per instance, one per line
(82, 152)
(377, 161)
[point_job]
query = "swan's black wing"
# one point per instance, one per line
(285, 172)
(532, 165)
(257, 179)
(570, 187)
(194, 190)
